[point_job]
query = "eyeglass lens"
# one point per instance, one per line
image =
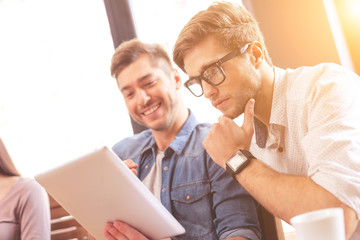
(213, 75)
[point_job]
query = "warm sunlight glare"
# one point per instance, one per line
(353, 9)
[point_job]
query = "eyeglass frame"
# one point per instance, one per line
(218, 63)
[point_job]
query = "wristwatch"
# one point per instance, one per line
(237, 162)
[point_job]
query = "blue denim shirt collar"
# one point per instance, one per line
(184, 135)
(181, 138)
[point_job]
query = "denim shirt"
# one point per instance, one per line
(207, 202)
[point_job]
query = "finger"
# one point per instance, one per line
(226, 122)
(248, 124)
(128, 231)
(214, 128)
(134, 171)
(112, 233)
(221, 119)
(108, 236)
(131, 164)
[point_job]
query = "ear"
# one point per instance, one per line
(257, 54)
(177, 78)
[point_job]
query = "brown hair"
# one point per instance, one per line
(128, 52)
(7, 166)
(229, 23)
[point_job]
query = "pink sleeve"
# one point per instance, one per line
(35, 213)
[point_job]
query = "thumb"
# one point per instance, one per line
(248, 124)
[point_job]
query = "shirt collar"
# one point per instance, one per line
(278, 106)
(178, 144)
(184, 135)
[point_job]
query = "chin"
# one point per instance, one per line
(232, 114)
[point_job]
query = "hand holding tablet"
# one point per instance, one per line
(99, 188)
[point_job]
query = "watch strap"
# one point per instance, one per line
(248, 156)
(230, 172)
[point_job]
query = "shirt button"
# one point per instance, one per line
(280, 149)
(163, 190)
(187, 197)
(165, 168)
(147, 166)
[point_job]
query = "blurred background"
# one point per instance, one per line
(57, 98)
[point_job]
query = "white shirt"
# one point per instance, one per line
(153, 180)
(315, 129)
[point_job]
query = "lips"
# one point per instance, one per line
(217, 104)
(151, 109)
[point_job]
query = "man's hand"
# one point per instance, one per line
(225, 137)
(123, 231)
(132, 165)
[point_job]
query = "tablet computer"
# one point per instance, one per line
(99, 187)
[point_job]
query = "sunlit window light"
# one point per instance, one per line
(353, 9)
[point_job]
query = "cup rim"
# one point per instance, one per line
(315, 216)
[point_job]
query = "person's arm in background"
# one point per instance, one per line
(34, 212)
(283, 195)
(234, 209)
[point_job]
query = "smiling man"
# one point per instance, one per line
(305, 152)
(169, 157)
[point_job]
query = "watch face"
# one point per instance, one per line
(235, 162)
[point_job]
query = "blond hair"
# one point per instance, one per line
(229, 23)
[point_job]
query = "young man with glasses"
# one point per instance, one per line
(169, 157)
(305, 152)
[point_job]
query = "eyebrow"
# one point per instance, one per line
(139, 80)
(205, 66)
(202, 68)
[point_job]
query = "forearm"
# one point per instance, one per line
(286, 195)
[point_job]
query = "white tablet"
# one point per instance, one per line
(99, 187)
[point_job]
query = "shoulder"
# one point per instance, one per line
(28, 186)
(193, 146)
(325, 79)
(333, 80)
(132, 146)
(197, 135)
(27, 192)
(201, 130)
(324, 72)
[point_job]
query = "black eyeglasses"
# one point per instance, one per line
(213, 74)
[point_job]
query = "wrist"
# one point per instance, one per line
(238, 162)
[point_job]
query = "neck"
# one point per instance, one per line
(264, 99)
(164, 138)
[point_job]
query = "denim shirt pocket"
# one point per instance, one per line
(192, 206)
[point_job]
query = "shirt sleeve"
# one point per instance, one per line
(332, 143)
(234, 208)
(34, 212)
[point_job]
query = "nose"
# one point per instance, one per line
(143, 97)
(208, 90)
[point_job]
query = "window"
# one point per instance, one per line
(57, 98)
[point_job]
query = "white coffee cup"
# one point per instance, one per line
(324, 224)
